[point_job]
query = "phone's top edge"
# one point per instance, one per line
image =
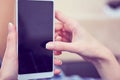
(41, 0)
(38, 0)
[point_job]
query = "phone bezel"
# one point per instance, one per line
(36, 75)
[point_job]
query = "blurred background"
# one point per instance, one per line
(99, 17)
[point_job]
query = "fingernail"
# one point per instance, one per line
(49, 46)
(10, 27)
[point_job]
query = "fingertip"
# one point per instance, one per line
(57, 71)
(49, 45)
(58, 62)
(59, 16)
(11, 38)
(11, 27)
(57, 12)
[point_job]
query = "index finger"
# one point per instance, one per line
(62, 18)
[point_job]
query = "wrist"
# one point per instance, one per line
(107, 66)
(101, 53)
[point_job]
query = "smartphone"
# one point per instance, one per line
(35, 25)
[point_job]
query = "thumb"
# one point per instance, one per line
(9, 69)
(59, 46)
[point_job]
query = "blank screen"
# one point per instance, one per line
(35, 29)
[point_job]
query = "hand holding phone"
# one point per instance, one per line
(35, 29)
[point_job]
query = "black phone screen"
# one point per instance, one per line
(35, 29)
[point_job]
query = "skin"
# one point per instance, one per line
(73, 38)
(6, 15)
(7, 9)
(9, 68)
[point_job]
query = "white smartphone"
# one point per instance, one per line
(35, 21)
